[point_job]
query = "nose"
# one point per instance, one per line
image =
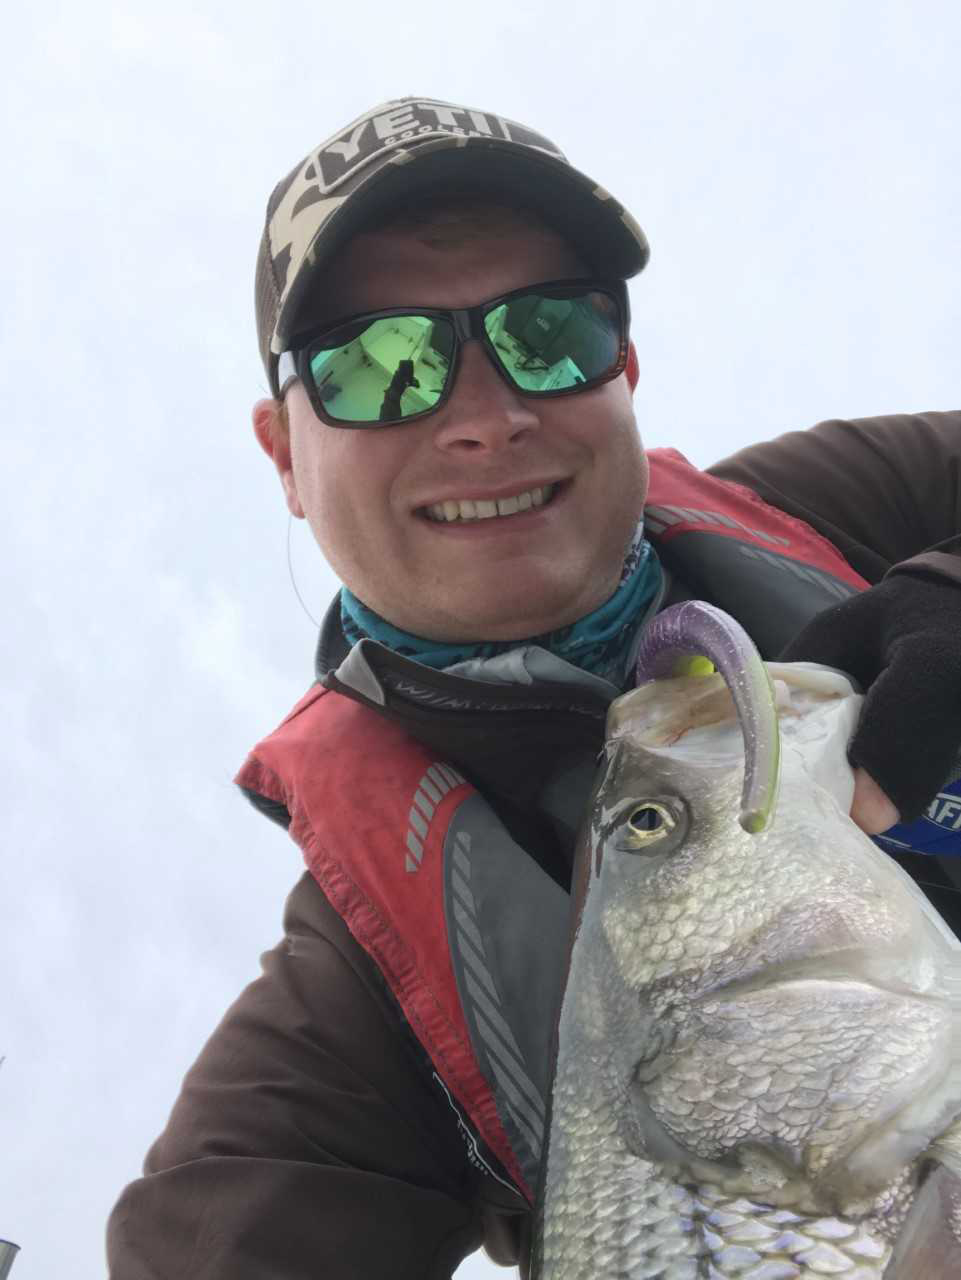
(483, 413)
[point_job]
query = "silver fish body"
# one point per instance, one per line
(759, 1043)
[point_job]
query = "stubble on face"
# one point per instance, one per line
(363, 491)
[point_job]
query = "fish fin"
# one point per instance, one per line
(929, 1244)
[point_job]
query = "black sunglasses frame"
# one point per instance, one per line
(467, 323)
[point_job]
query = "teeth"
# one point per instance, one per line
(466, 509)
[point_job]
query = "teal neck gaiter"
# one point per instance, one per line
(599, 643)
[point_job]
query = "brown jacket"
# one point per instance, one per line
(309, 1139)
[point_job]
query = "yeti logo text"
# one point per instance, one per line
(341, 156)
(309, 199)
(945, 810)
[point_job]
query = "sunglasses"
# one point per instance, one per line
(388, 367)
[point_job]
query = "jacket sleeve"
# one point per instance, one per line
(307, 1140)
(883, 490)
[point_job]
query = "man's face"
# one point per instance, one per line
(366, 492)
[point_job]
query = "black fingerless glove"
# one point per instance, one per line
(902, 641)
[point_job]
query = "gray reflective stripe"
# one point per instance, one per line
(683, 513)
(806, 574)
(496, 1047)
(770, 537)
(662, 514)
(461, 860)
(815, 576)
(507, 1082)
(423, 804)
(462, 889)
(467, 924)
(502, 1028)
(476, 964)
(508, 995)
(509, 1052)
(507, 1069)
(433, 786)
(840, 589)
(529, 1122)
(536, 1144)
(725, 520)
(799, 571)
(753, 553)
(418, 823)
(429, 789)
(674, 515)
(438, 779)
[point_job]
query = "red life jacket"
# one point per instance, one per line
(427, 878)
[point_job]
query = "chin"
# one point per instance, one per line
(517, 624)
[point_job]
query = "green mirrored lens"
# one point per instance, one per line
(384, 370)
(552, 343)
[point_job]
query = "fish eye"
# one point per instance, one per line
(649, 822)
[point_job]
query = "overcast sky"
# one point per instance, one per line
(796, 168)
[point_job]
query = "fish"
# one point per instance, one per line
(757, 1059)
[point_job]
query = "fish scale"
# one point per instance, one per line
(755, 1242)
(759, 1039)
(614, 1218)
(615, 1215)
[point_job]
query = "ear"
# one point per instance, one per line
(633, 369)
(273, 436)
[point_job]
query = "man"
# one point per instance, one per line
(372, 1105)
(403, 380)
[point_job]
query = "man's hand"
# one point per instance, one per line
(871, 809)
(902, 641)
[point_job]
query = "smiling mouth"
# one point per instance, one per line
(465, 510)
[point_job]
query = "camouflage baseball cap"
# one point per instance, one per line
(386, 158)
